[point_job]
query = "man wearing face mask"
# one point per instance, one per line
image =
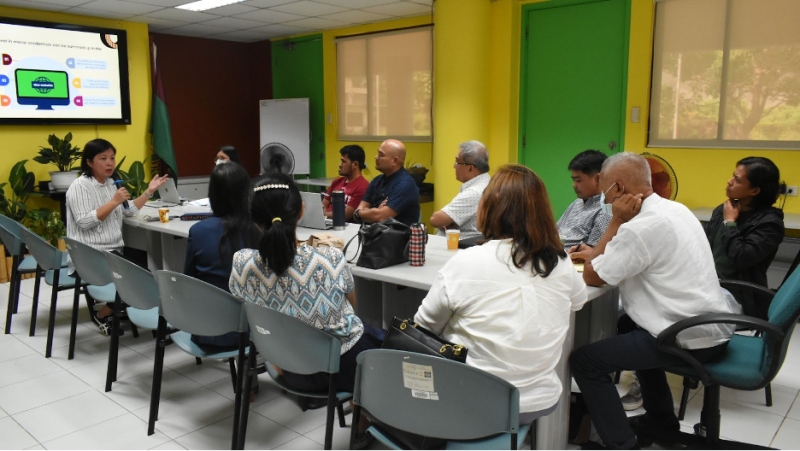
(655, 250)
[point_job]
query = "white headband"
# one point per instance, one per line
(273, 186)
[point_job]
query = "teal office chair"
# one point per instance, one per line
(196, 307)
(50, 261)
(748, 363)
(139, 289)
(91, 268)
(294, 346)
(466, 406)
(12, 239)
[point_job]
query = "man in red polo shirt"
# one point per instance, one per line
(352, 182)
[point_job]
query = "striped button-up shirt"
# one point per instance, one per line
(84, 196)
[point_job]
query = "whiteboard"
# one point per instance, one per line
(286, 121)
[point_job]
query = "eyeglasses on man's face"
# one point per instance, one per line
(457, 163)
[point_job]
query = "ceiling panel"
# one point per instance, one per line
(308, 8)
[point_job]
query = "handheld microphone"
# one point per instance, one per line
(119, 182)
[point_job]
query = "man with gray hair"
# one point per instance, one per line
(472, 169)
(655, 250)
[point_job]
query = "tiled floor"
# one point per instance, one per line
(61, 404)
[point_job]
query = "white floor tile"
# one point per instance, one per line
(124, 432)
(13, 349)
(301, 442)
(3, 413)
(739, 423)
(129, 364)
(788, 436)
(189, 412)
(134, 393)
(4, 336)
(173, 355)
(170, 445)
(25, 368)
(14, 436)
(341, 437)
(40, 391)
(261, 434)
(35, 447)
(60, 332)
(286, 412)
(69, 415)
(789, 375)
(794, 412)
(782, 398)
(86, 352)
(145, 340)
(266, 392)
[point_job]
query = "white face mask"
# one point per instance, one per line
(606, 208)
(219, 161)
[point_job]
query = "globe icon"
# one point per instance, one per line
(48, 85)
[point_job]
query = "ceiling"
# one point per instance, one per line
(249, 21)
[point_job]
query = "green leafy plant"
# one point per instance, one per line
(60, 153)
(133, 177)
(21, 184)
(48, 224)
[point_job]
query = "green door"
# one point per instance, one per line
(297, 73)
(574, 61)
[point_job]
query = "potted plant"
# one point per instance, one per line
(22, 184)
(62, 154)
(133, 178)
(48, 225)
(417, 172)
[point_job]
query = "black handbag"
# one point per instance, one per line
(382, 244)
(405, 335)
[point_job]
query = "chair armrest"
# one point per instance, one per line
(747, 286)
(667, 338)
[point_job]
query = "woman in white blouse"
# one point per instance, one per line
(95, 206)
(509, 300)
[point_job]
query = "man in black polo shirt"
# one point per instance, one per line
(393, 194)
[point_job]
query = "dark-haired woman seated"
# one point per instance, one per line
(282, 275)
(212, 242)
(95, 210)
(509, 300)
(227, 154)
(746, 230)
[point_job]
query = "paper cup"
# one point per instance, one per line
(452, 239)
(163, 214)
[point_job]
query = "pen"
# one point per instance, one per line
(580, 245)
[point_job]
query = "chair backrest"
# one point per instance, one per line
(46, 255)
(135, 285)
(197, 307)
(89, 262)
(784, 312)
(434, 397)
(290, 343)
(10, 236)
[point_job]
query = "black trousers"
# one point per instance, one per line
(593, 364)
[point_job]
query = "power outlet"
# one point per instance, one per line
(791, 191)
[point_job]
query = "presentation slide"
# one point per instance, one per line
(49, 73)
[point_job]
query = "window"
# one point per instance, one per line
(726, 73)
(385, 85)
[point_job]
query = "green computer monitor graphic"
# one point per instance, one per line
(43, 88)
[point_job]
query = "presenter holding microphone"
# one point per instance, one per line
(95, 210)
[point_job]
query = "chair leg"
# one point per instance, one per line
(354, 426)
(134, 329)
(35, 304)
(76, 297)
(768, 394)
(232, 365)
(12, 304)
(513, 440)
(198, 361)
(331, 408)
(51, 324)
(710, 416)
(617, 376)
(340, 412)
(688, 384)
(532, 434)
(15, 281)
(158, 368)
(113, 350)
(238, 398)
(248, 383)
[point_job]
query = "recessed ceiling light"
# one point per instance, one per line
(203, 5)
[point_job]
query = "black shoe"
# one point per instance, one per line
(312, 403)
(362, 441)
(650, 423)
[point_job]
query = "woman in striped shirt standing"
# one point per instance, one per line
(96, 206)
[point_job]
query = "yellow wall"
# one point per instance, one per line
(20, 142)
(702, 173)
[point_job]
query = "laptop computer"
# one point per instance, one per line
(314, 217)
(168, 193)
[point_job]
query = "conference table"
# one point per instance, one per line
(394, 291)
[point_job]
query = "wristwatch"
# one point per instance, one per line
(729, 223)
(149, 196)
(356, 215)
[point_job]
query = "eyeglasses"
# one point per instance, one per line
(462, 164)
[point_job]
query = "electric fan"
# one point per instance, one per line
(664, 180)
(276, 157)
